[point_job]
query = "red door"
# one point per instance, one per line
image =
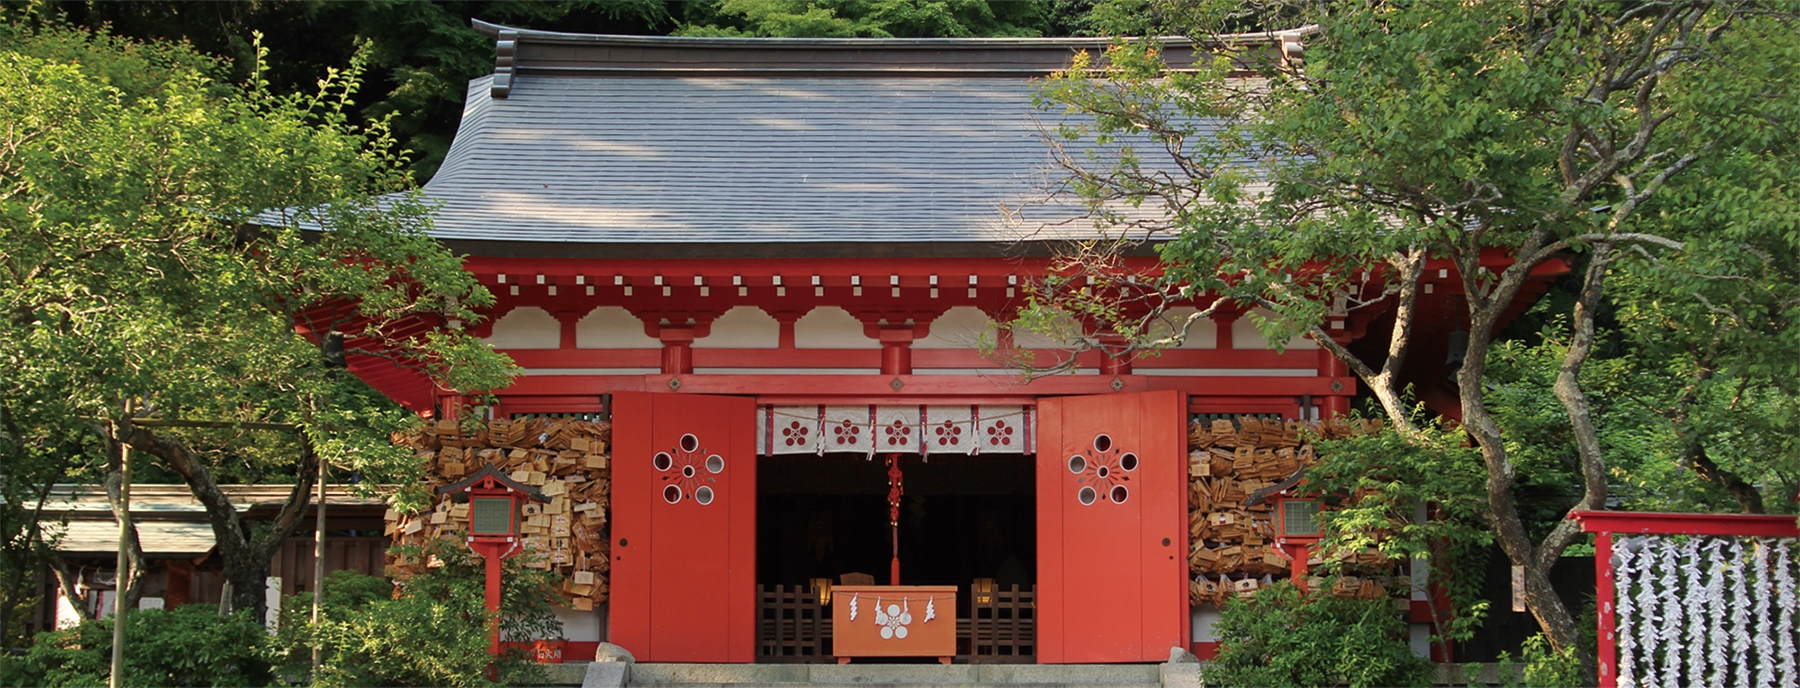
(684, 527)
(1112, 528)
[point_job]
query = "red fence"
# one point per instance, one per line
(1606, 524)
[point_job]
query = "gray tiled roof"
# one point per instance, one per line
(739, 159)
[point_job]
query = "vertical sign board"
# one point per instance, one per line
(684, 527)
(1112, 528)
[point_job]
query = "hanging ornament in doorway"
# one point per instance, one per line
(895, 491)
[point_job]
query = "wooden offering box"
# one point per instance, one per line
(893, 621)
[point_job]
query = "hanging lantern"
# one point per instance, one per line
(1297, 524)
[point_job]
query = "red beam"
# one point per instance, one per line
(1664, 523)
(871, 358)
(914, 386)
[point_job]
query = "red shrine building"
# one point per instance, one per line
(774, 263)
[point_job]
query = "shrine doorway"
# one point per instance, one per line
(964, 521)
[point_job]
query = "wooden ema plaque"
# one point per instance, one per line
(893, 621)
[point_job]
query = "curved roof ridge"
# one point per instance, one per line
(1247, 38)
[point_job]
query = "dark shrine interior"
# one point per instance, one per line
(961, 518)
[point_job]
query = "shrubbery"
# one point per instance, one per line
(1284, 638)
(187, 646)
(430, 630)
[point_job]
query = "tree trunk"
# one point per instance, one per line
(1503, 514)
(129, 582)
(65, 580)
(1581, 420)
(246, 561)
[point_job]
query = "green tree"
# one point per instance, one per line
(187, 263)
(1405, 132)
(419, 55)
(870, 18)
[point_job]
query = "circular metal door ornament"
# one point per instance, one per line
(1128, 462)
(689, 442)
(1077, 464)
(671, 494)
(662, 461)
(715, 464)
(1102, 443)
(687, 471)
(1120, 494)
(704, 495)
(1086, 496)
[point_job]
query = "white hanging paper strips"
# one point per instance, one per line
(897, 429)
(853, 597)
(847, 429)
(930, 609)
(1733, 596)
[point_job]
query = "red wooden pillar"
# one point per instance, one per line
(569, 320)
(896, 351)
(678, 350)
(1334, 405)
(1604, 599)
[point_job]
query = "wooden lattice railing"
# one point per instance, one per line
(792, 627)
(1003, 630)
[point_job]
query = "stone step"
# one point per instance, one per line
(820, 675)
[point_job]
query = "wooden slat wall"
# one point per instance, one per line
(294, 561)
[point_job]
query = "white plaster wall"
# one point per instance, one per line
(1203, 334)
(612, 327)
(743, 327)
(830, 327)
(962, 327)
(1204, 616)
(526, 328)
(578, 625)
(1245, 335)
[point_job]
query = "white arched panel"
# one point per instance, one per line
(526, 328)
(1201, 334)
(612, 327)
(830, 327)
(1245, 334)
(962, 327)
(743, 327)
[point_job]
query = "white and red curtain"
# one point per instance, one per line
(928, 430)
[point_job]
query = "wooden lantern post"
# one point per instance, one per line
(494, 501)
(1297, 524)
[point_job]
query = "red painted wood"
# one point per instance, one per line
(1121, 592)
(1204, 650)
(1605, 597)
(1051, 600)
(683, 580)
(921, 385)
(1664, 523)
(1233, 359)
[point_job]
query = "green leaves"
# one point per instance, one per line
(1282, 637)
(430, 630)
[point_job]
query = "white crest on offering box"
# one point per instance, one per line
(893, 618)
